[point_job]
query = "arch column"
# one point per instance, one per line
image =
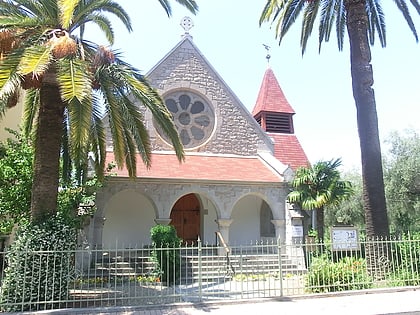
(163, 221)
(279, 225)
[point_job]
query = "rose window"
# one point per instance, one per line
(193, 118)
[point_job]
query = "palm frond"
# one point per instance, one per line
(292, 10)
(98, 138)
(124, 75)
(79, 124)
(135, 124)
(270, 9)
(115, 121)
(376, 22)
(74, 78)
(91, 11)
(66, 161)
(150, 98)
(328, 15)
(309, 16)
(340, 24)
(66, 9)
(30, 110)
(35, 60)
(191, 5)
(402, 6)
(416, 5)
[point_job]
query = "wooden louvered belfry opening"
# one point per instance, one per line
(276, 122)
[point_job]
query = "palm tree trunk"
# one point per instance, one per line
(47, 152)
(367, 120)
(320, 223)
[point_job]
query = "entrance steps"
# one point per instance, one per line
(210, 265)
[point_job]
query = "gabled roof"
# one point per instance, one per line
(288, 150)
(271, 97)
(203, 167)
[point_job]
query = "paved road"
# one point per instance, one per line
(368, 303)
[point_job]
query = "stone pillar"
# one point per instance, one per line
(97, 225)
(279, 225)
(163, 221)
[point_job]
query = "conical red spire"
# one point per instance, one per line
(271, 97)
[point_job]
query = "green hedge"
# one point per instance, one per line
(166, 252)
(40, 265)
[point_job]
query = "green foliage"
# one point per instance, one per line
(317, 186)
(40, 266)
(402, 184)
(78, 202)
(406, 264)
(349, 273)
(166, 253)
(16, 157)
(350, 212)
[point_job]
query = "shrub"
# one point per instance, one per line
(349, 273)
(40, 266)
(406, 262)
(166, 252)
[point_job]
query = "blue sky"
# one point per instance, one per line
(318, 86)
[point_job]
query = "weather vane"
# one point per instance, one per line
(268, 56)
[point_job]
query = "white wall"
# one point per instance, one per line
(245, 228)
(210, 227)
(129, 216)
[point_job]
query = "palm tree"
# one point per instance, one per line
(363, 20)
(318, 186)
(71, 83)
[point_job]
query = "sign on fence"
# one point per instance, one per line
(345, 238)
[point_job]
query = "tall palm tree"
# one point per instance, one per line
(363, 19)
(318, 186)
(71, 83)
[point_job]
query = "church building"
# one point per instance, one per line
(235, 176)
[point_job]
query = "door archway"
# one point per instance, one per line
(185, 217)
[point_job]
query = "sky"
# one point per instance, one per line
(317, 85)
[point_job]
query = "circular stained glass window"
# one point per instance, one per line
(193, 118)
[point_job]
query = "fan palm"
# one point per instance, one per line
(363, 19)
(318, 186)
(71, 84)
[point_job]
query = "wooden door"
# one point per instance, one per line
(185, 217)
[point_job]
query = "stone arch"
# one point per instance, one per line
(128, 217)
(247, 214)
(208, 215)
(206, 196)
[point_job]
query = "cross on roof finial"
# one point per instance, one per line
(186, 24)
(268, 56)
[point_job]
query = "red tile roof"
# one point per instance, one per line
(203, 167)
(271, 97)
(288, 150)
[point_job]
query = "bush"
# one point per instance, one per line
(166, 252)
(349, 273)
(40, 266)
(406, 264)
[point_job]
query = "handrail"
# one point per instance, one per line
(229, 266)
(219, 235)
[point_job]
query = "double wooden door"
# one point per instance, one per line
(185, 217)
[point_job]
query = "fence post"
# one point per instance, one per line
(199, 269)
(280, 266)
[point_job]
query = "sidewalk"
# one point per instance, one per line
(371, 302)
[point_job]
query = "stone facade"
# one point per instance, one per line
(240, 210)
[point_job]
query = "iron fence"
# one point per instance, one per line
(196, 273)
